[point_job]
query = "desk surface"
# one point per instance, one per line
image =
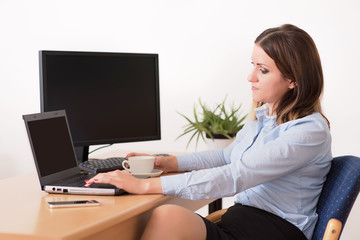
(25, 214)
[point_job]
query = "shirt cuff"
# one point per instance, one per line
(171, 184)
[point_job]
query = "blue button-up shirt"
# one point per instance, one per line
(278, 168)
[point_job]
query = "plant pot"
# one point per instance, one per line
(219, 142)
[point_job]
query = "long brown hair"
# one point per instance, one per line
(296, 56)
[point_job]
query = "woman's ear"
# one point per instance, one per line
(292, 84)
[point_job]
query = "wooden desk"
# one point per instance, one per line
(24, 213)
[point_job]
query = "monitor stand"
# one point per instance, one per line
(82, 153)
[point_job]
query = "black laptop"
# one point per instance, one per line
(55, 159)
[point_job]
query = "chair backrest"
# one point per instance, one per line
(339, 192)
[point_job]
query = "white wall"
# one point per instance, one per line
(204, 49)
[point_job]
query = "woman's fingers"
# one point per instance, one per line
(132, 154)
(103, 178)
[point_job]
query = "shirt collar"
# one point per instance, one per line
(262, 111)
(262, 114)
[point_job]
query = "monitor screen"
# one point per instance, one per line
(108, 97)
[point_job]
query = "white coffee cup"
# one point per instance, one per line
(139, 164)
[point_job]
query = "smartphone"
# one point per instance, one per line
(80, 203)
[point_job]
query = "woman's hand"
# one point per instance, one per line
(124, 180)
(164, 163)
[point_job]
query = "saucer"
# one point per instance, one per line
(154, 173)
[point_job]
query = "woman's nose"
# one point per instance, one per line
(252, 76)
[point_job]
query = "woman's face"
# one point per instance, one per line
(267, 83)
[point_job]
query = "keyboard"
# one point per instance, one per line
(102, 165)
(78, 180)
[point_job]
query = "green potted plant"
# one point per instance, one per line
(214, 123)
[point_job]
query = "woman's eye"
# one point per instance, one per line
(263, 70)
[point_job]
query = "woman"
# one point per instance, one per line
(276, 165)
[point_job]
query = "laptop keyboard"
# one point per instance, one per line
(102, 165)
(79, 181)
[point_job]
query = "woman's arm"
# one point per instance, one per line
(211, 158)
(273, 154)
(124, 180)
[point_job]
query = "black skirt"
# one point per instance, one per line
(249, 223)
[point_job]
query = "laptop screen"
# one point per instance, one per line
(52, 145)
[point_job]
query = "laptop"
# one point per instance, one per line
(55, 158)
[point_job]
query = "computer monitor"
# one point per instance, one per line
(108, 97)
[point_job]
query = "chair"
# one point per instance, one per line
(336, 200)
